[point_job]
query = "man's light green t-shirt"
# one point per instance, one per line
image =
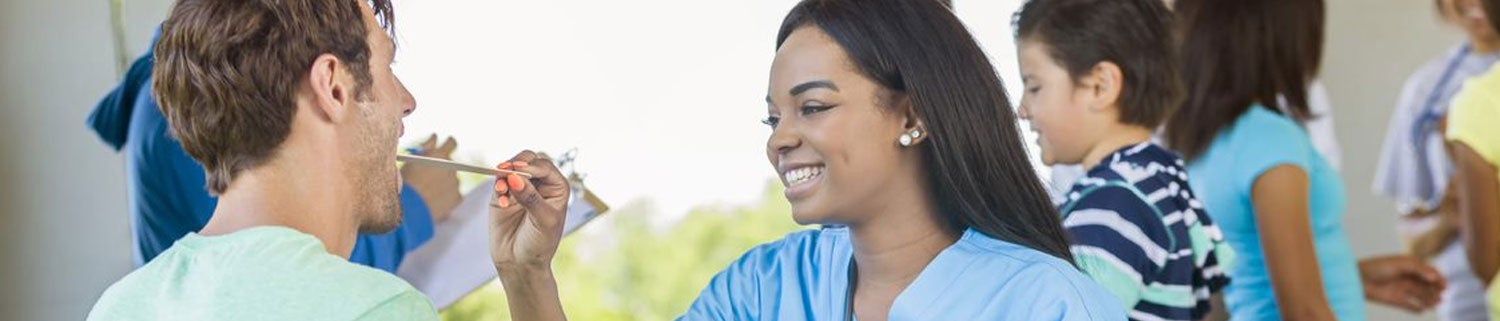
(262, 273)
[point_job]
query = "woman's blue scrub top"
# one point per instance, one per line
(805, 277)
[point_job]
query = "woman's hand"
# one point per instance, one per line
(526, 218)
(526, 223)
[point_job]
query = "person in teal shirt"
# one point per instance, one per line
(1278, 201)
(890, 128)
(1228, 174)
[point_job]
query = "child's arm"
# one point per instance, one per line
(1283, 215)
(1479, 207)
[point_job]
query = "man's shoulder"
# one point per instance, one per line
(231, 283)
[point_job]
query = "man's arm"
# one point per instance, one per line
(111, 117)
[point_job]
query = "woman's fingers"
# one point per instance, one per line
(550, 182)
(543, 197)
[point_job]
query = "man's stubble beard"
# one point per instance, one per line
(377, 204)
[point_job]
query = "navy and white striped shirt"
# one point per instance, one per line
(1137, 229)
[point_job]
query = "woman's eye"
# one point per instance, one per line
(809, 110)
(1033, 89)
(771, 121)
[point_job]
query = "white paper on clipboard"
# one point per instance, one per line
(456, 261)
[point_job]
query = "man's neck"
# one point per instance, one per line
(299, 198)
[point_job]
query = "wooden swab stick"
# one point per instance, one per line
(447, 164)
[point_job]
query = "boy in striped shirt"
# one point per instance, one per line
(1100, 76)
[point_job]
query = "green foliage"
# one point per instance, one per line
(624, 267)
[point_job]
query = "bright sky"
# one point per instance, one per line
(662, 98)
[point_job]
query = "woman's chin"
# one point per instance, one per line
(804, 215)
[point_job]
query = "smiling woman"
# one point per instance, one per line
(891, 129)
(963, 163)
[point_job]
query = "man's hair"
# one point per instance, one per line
(227, 72)
(1134, 34)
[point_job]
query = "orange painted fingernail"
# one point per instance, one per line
(504, 201)
(505, 166)
(500, 187)
(521, 165)
(516, 182)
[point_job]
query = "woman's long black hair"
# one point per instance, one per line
(976, 162)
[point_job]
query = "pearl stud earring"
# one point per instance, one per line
(907, 138)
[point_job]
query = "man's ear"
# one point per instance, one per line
(328, 82)
(1104, 84)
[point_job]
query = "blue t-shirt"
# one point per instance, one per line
(805, 277)
(1224, 177)
(168, 190)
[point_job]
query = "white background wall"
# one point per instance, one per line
(63, 224)
(1372, 46)
(63, 229)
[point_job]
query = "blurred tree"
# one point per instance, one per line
(621, 267)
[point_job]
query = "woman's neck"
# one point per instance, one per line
(898, 234)
(897, 259)
(891, 250)
(888, 257)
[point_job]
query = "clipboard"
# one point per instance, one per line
(456, 261)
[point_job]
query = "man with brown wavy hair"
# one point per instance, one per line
(292, 108)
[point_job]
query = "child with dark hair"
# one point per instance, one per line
(1280, 203)
(1099, 78)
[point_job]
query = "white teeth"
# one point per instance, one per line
(793, 177)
